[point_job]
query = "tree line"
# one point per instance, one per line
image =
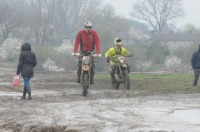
(45, 23)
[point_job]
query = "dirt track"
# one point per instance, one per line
(58, 106)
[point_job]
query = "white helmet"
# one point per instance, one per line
(88, 24)
(118, 41)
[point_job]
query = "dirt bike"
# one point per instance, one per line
(86, 67)
(121, 72)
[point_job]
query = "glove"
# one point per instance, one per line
(99, 55)
(74, 53)
(107, 60)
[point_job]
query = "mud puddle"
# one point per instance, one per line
(190, 116)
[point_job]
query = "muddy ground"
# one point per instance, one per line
(58, 106)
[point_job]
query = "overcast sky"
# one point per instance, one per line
(191, 8)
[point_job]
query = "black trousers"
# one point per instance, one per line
(196, 76)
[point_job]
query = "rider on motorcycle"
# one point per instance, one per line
(112, 55)
(88, 40)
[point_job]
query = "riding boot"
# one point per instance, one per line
(128, 68)
(92, 79)
(29, 94)
(79, 73)
(24, 93)
(78, 76)
(78, 79)
(92, 73)
(112, 80)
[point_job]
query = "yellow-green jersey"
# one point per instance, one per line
(114, 51)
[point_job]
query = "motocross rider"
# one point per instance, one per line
(88, 40)
(114, 52)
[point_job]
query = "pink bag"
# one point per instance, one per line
(16, 81)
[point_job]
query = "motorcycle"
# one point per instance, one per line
(86, 67)
(122, 71)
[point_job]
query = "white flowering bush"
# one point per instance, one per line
(10, 48)
(64, 56)
(143, 65)
(50, 65)
(65, 48)
(173, 63)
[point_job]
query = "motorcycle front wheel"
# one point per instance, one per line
(85, 84)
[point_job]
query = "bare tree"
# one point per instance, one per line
(190, 28)
(157, 13)
(108, 11)
(10, 12)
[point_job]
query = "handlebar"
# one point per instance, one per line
(116, 56)
(128, 55)
(76, 54)
(94, 55)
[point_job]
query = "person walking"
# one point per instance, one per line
(195, 62)
(26, 64)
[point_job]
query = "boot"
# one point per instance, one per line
(92, 79)
(112, 80)
(92, 74)
(78, 77)
(24, 93)
(79, 72)
(78, 80)
(29, 94)
(195, 83)
(29, 98)
(128, 68)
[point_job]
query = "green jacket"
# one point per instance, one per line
(113, 52)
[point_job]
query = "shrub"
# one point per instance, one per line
(10, 49)
(173, 63)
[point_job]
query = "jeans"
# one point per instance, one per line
(27, 82)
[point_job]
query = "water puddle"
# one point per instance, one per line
(191, 116)
(4, 83)
(9, 94)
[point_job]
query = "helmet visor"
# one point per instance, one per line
(118, 43)
(88, 27)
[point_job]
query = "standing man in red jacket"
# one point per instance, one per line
(88, 40)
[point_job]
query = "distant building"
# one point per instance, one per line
(69, 39)
(168, 38)
(149, 37)
(175, 38)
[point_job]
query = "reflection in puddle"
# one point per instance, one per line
(192, 115)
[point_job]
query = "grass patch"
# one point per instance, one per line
(160, 83)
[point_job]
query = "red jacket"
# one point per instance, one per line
(88, 41)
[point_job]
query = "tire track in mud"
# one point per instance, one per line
(19, 115)
(70, 90)
(23, 115)
(52, 96)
